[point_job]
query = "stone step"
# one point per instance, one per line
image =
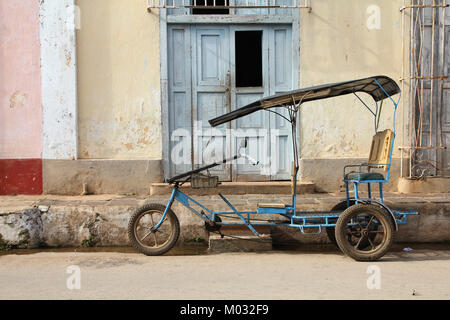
(244, 230)
(271, 187)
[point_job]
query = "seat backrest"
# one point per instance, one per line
(380, 151)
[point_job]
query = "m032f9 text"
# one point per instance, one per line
(244, 309)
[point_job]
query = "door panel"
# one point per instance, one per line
(256, 127)
(281, 39)
(211, 64)
(281, 68)
(211, 61)
(210, 105)
(180, 115)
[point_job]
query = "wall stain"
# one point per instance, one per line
(18, 100)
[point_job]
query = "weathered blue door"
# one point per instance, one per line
(205, 82)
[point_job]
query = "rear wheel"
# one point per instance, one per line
(153, 242)
(365, 223)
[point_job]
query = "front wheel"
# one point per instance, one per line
(331, 232)
(153, 242)
(361, 224)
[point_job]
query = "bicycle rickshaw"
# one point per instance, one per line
(363, 228)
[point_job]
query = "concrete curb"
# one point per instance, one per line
(102, 220)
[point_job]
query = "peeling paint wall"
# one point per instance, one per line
(338, 45)
(20, 81)
(59, 98)
(118, 80)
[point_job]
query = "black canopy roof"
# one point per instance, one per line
(366, 85)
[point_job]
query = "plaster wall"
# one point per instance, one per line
(20, 80)
(118, 80)
(340, 41)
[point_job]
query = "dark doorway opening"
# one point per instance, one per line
(248, 58)
(210, 8)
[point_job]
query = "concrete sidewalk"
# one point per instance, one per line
(101, 220)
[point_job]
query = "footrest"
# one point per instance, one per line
(272, 208)
(402, 216)
(272, 205)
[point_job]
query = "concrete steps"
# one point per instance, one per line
(237, 188)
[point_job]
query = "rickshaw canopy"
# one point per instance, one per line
(378, 87)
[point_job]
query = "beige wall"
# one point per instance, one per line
(337, 45)
(118, 80)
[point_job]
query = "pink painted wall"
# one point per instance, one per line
(20, 80)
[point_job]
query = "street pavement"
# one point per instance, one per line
(308, 273)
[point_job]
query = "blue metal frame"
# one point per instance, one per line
(302, 220)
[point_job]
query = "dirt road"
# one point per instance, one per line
(420, 274)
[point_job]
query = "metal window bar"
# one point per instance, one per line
(422, 152)
(229, 4)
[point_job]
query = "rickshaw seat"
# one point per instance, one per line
(366, 176)
(379, 158)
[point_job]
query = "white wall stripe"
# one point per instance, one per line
(59, 86)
